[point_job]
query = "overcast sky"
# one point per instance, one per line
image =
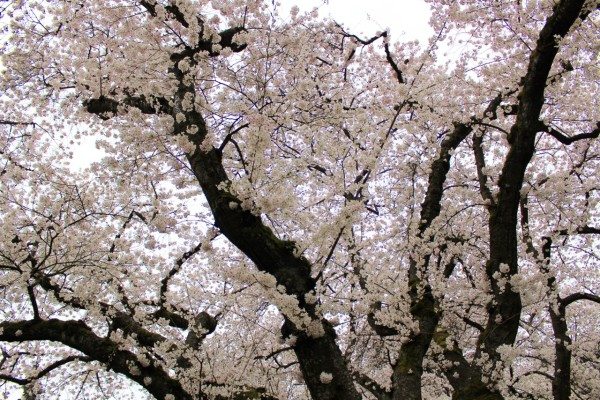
(406, 19)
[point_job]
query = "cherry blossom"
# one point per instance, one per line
(281, 208)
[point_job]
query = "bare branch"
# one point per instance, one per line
(364, 42)
(567, 140)
(570, 299)
(164, 283)
(45, 371)
(230, 135)
(78, 336)
(373, 387)
(15, 123)
(583, 230)
(390, 60)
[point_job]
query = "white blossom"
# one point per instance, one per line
(325, 377)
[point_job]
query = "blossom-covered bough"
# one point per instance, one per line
(281, 208)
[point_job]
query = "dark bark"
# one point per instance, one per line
(78, 336)
(373, 387)
(106, 107)
(561, 384)
(408, 371)
(504, 311)
(317, 355)
(505, 308)
(567, 140)
(561, 381)
(465, 379)
(127, 324)
(257, 241)
(270, 254)
(203, 323)
(225, 36)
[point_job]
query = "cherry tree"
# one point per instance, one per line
(281, 208)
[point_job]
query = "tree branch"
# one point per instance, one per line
(172, 9)
(484, 190)
(164, 283)
(230, 135)
(15, 123)
(390, 60)
(106, 107)
(364, 42)
(567, 140)
(373, 387)
(570, 299)
(245, 230)
(583, 230)
(119, 319)
(45, 371)
(78, 336)
(504, 312)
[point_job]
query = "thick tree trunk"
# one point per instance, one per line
(322, 355)
(465, 379)
(270, 254)
(408, 371)
(561, 382)
(505, 308)
(561, 385)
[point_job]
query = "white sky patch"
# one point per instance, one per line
(405, 19)
(85, 153)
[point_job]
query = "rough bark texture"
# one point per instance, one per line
(272, 255)
(505, 310)
(561, 384)
(78, 336)
(408, 371)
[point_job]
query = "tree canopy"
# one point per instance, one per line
(281, 208)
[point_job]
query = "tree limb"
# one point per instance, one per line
(504, 311)
(45, 371)
(373, 387)
(78, 336)
(570, 299)
(567, 140)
